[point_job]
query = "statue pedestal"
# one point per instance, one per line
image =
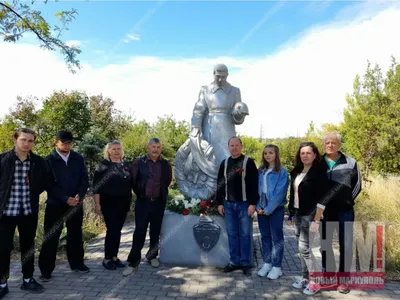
(194, 241)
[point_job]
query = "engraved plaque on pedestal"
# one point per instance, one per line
(206, 233)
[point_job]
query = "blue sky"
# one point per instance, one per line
(190, 29)
(294, 62)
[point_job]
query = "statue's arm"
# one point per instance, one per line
(238, 119)
(199, 110)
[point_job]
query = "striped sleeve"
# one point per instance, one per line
(356, 182)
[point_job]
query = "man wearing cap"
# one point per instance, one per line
(71, 177)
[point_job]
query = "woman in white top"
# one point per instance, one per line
(308, 188)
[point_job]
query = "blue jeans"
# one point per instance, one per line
(238, 225)
(271, 229)
(342, 222)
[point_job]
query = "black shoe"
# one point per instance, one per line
(109, 265)
(3, 291)
(119, 264)
(32, 286)
(45, 278)
(81, 269)
(247, 271)
(230, 268)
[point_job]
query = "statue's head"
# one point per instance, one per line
(220, 74)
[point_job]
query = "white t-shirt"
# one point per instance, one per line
(265, 188)
(297, 182)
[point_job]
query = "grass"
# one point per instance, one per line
(380, 202)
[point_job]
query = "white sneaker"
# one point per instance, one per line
(128, 271)
(275, 273)
(264, 270)
(300, 283)
(155, 263)
(311, 289)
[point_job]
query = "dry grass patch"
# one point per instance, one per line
(380, 202)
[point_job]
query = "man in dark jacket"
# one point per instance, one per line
(151, 177)
(345, 185)
(23, 177)
(71, 177)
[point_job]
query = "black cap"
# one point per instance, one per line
(64, 136)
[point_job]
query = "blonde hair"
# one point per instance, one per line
(106, 155)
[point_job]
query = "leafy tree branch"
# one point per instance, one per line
(18, 18)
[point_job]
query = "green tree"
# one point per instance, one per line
(18, 17)
(91, 147)
(24, 112)
(7, 128)
(253, 148)
(63, 111)
(372, 121)
(288, 148)
(172, 134)
(134, 141)
(313, 135)
(329, 127)
(110, 121)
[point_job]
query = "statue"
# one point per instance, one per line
(218, 109)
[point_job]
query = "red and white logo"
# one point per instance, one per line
(368, 249)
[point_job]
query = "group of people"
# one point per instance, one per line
(322, 189)
(322, 192)
(63, 174)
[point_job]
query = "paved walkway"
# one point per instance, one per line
(169, 282)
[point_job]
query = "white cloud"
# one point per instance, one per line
(74, 43)
(131, 37)
(306, 80)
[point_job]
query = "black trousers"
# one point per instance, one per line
(342, 222)
(27, 231)
(114, 209)
(146, 212)
(54, 219)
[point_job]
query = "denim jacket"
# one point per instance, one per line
(277, 186)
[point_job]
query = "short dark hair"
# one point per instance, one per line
(235, 137)
(18, 132)
(154, 141)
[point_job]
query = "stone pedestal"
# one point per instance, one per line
(178, 245)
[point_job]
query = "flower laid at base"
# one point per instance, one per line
(192, 206)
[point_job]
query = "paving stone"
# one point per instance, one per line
(171, 282)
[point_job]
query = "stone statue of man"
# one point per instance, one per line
(218, 109)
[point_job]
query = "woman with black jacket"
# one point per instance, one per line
(113, 194)
(308, 189)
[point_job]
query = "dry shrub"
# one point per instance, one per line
(93, 224)
(380, 202)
